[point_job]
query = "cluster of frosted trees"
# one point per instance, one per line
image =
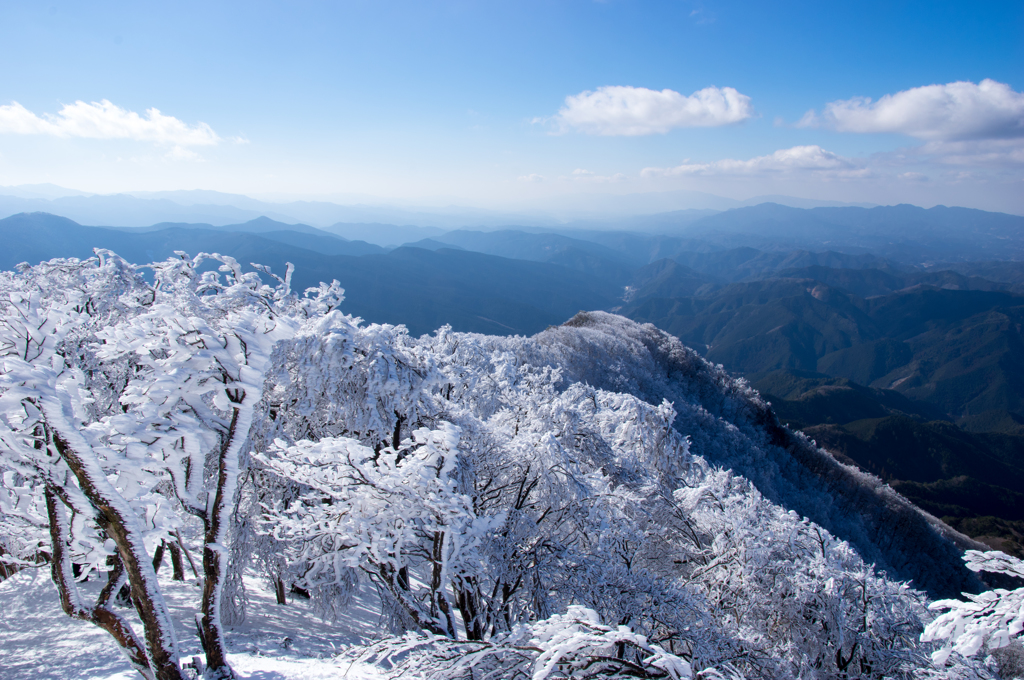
(509, 521)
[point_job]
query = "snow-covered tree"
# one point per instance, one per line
(592, 498)
(124, 401)
(336, 378)
(55, 406)
(990, 619)
(199, 354)
(396, 515)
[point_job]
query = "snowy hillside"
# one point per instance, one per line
(731, 427)
(593, 501)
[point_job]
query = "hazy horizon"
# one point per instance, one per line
(562, 211)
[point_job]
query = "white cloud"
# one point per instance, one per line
(104, 120)
(796, 159)
(994, 153)
(581, 175)
(955, 111)
(180, 153)
(532, 177)
(624, 110)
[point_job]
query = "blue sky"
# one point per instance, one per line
(500, 104)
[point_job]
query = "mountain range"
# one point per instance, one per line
(141, 208)
(900, 362)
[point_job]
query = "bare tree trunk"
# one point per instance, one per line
(113, 579)
(188, 555)
(158, 557)
(179, 569)
(468, 601)
(396, 584)
(9, 570)
(124, 595)
(279, 591)
(115, 518)
(6, 571)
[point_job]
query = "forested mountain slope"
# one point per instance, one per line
(957, 349)
(971, 476)
(874, 282)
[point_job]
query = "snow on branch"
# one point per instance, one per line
(383, 512)
(993, 617)
(571, 645)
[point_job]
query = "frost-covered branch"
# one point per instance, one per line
(991, 619)
(389, 513)
(571, 645)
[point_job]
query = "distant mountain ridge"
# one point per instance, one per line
(904, 233)
(585, 208)
(577, 254)
(420, 288)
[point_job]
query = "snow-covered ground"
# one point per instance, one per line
(38, 641)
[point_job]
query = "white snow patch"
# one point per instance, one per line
(39, 642)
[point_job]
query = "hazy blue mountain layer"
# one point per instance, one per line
(572, 253)
(417, 287)
(902, 232)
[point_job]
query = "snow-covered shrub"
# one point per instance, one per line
(571, 645)
(384, 512)
(991, 619)
(730, 426)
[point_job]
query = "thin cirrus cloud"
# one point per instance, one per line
(583, 175)
(105, 120)
(621, 110)
(810, 158)
(954, 111)
(1005, 154)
